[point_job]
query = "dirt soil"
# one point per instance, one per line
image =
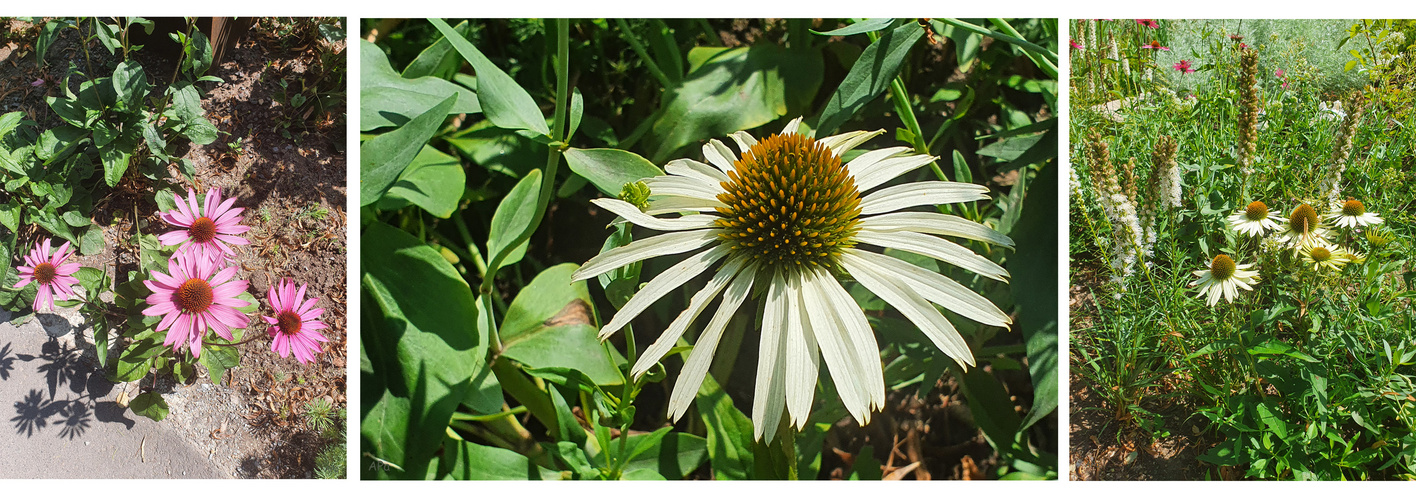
(289, 174)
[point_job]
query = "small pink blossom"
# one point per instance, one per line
(37, 82)
(192, 296)
(1278, 73)
(211, 227)
(296, 325)
(1184, 67)
(1075, 45)
(1149, 23)
(50, 273)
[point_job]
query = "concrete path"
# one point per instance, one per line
(63, 421)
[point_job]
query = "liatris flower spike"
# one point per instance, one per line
(786, 217)
(212, 227)
(296, 325)
(192, 296)
(50, 273)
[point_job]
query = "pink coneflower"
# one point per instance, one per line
(1155, 45)
(210, 229)
(190, 299)
(296, 322)
(1236, 37)
(1149, 23)
(1184, 67)
(51, 273)
(1074, 43)
(1243, 45)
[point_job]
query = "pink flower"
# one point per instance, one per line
(210, 229)
(1278, 73)
(51, 273)
(190, 299)
(1155, 45)
(37, 82)
(1243, 45)
(296, 322)
(1149, 23)
(1075, 45)
(1236, 37)
(1184, 67)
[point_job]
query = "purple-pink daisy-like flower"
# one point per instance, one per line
(212, 227)
(296, 323)
(192, 296)
(1155, 45)
(51, 274)
(1074, 43)
(1149, 23)
(1184, 67)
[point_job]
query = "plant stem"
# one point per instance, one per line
(638, 47)
(247, 341)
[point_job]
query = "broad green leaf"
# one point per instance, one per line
(187, 106)
(551, 323)
(729, 432)
(609, 169)
(736, 89)
(47, 36)
(863, 26)
(485, 396)
(130, 83)
(421, 326)
(869, 76)
(672, 455)
(1034, 290)
(498, 150)
(58, 143)
(89, 278)
(219, 359)
(992, 410)
(68, 110)
(433, 181)
(390, 100)
(115, 163)
(513, 216)
(475, 461)
(504, 102)
(10, 215)
(151, 405)
(866, 467)
(439, 60)
(199, 54)
(383, 158)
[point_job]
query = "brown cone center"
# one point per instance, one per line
(289, 322)
(193, 296)
(203, 230)
(45, 273)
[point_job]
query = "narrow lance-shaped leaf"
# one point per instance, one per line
(504, 102)
(384, 157)
(869, 76)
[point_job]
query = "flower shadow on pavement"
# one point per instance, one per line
(74, 408)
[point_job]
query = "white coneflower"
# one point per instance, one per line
(1255, 220)
(1224, 278)
(1303, 229)
(1325, 255)
(1354, 215)
(786, 218)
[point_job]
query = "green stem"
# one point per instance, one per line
(486, 418)
(472, 249)
(558, 126)
(519, 386)
(1046, 62)
(708, 30)
(638, 47)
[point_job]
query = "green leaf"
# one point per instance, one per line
(218, 359)
(1034, 290)
(47, 36)
(387, 99)
(729, 432)
(736, 89)
(504, 102)
(151, 405)
(672, 455)
(187, 106)
(58, 143)
(865, 26)
(199, 54)
(439, 59)
(422, 343)
(90, 278)
(433, 181)
(115, 163)
(10, 215)
(551, 323)
(475, 461)
(866, 467)
(513, 216)
(383, 158)
(130, 83)
(609, 169)
(869, 76)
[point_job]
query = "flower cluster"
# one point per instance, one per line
(200, 292)
(1303, 233)
(1248, 111)
(1127, 237)
(1331, 184)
